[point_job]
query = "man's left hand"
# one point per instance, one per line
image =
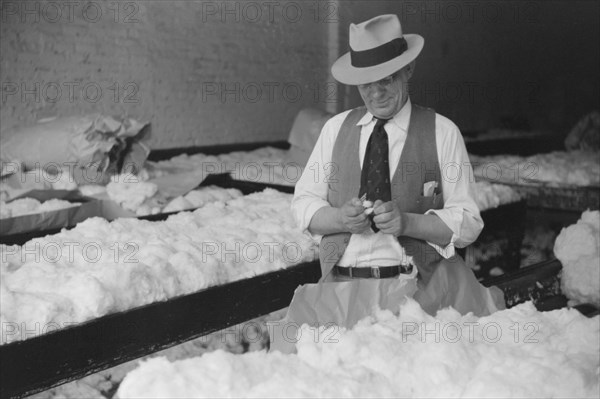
(388, 217)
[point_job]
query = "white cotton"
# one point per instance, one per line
(28, 206)
(76, 390)
(90, 190)
(234, 192)
(177, 204)
(5, 211)
(130, 192)
(558, 168)
(56, 204)
(519, 352)
(101, 267)
(63, 180)
(202, 196)
(488, 195)
(78, 296)
(199, 197)
(578, 249)
(22, 206)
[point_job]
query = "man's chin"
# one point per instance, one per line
(383, 112)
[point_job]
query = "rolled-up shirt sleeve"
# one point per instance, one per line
(460, 212)
(310, 193)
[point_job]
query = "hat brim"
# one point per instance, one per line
(343, 71)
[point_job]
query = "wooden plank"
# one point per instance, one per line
(561, 198)
(536, 283)
(22, 238)
(42, 362)
(541, 270)
(246, 187)
(163, 154)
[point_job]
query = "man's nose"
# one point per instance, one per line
(377, 92)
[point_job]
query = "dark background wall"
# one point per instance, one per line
(485, 64)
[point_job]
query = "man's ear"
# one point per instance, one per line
(410, 69)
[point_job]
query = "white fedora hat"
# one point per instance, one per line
(377, 49)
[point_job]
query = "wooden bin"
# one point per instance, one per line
(54, 358)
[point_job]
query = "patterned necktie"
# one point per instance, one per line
(375, 175)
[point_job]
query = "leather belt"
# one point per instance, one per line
(373, 271)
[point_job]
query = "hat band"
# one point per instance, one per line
(378, 55)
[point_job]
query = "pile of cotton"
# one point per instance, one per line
(578, 249)
(488, 195)
(518, 352)
(101, 267)
(28, 206)
(200, 197)
(558, 168)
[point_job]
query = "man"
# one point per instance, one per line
(410, 163)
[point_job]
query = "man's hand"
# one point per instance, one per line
(388, 217)
(353, 217)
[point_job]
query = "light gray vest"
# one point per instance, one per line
(418, 164)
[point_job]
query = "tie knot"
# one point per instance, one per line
(380, 122)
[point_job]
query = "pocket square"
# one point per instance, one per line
(429, 188)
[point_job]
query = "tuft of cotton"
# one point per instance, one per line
(130, 192)
(578, 249)
(55, 204)
(177, 204)
(488, 195)
(28, 206)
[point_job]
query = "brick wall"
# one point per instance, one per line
(212, 72)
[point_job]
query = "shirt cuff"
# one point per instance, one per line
(453, 221)
(448, 251)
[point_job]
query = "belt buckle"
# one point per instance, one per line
(375, 272)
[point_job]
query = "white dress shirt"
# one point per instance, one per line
(460, 213)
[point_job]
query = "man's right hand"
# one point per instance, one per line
(353, 217)
(349, 218)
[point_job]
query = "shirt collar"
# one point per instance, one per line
(401, 119)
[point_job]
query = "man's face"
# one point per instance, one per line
(386, 97)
